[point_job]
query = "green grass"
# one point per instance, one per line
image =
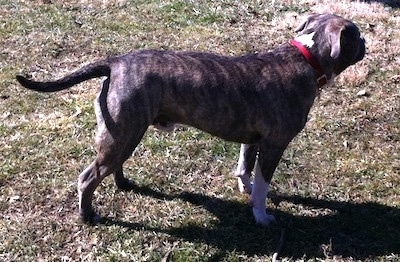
(336, 190)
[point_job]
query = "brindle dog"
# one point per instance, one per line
(260, 100)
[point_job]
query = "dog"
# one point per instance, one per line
(260, 100)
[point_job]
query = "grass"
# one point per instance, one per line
(336, 189)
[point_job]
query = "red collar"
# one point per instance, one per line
(321, 77)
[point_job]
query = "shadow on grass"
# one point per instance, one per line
(391, 3)
(360, 231)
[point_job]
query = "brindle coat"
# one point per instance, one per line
(260, 100)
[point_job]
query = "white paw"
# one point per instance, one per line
(262, 218)
(244, 184)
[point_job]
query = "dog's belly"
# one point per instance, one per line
(230, 132)
(246, 122)
(238, 135)
(237, 119)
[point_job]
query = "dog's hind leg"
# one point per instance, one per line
(122, 182)
(120, 129)
(88, 181)
(112, 153)
(247, 158)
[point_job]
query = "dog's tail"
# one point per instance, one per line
(97, 69)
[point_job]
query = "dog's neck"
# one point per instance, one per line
(321, 76)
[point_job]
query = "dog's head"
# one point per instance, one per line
(336, 42)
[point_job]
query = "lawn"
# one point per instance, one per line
(336, 191)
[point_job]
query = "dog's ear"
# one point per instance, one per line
(334, 38)
(348, 36)
(305, 23)
(301, 26)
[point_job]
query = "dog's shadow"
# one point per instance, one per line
(360, 231)
(390, 3)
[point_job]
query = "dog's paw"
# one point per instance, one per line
(125, 184)
(262, 218)
(90, 218)
(244, 184)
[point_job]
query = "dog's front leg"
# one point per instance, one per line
(247, 158)
(268, 159)
(259, 197)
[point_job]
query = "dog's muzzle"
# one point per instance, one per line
(361, 50)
